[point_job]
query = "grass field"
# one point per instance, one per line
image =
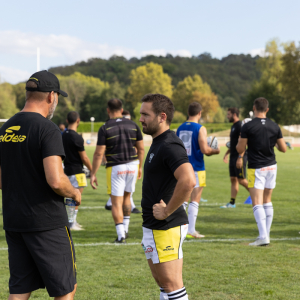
(220, 266)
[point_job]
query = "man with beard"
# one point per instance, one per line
(237, 162)
(33, 183)
(122, 142)
(168, 181)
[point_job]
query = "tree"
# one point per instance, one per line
(146, 79)
(193, 89)
(20, 92)
(7, 101)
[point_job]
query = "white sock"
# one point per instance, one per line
(75, 215)
(260, 218)
(163, 295)
(185, 204)
(178, 295)
(192, 214)
(269, 211)
(109, 202)
(120, 231)
(126, 220)
(132, 203)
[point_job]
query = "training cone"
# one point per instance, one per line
(248, 200)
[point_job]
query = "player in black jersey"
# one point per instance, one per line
(76, 157)
(122, 141)
(237, 162)
(261, 135)
(168, 181)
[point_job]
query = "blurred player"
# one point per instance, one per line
(62, 127)
(119, 138)
(168, 182)
(237, 162)
(134, 210)
(76, 157)
(194, 137)
(261, 135)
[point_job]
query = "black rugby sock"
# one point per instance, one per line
(232, 201)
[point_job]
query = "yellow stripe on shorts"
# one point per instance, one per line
(108, 179)
(81, 180)
(167, 243)
(251, 178)
(74, 264)
(202, 178)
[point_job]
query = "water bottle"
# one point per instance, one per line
(70, 207)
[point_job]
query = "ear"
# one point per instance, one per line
(267, 110)
(121, 110)
(108, 111)
(163, 117)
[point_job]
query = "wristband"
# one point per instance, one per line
(240, 156)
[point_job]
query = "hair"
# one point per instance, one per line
(261, 104)
(72, 117)
(125, 112)
(161, 103)
(234, 110)
(114, 104)
(194, 109)
(34, 95)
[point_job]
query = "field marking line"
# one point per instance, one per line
(186, 241)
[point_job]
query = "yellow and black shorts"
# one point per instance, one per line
(200, 178)
(164, 245)
(78, 180)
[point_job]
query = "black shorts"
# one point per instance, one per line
(234, 171)
(41, 259)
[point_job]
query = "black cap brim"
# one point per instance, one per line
(64, 94)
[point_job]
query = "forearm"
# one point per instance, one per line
(87, 163)
(141, 156)
(97, 159)
(65, 188)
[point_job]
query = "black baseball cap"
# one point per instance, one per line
(46, 82)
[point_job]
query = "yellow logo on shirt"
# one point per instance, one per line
(12, 137)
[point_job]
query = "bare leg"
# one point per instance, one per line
(126, 204)
(234, 187)
(196, 194)
(19, 296)
(168, 275)
(117, 208)
(257, 196)
(244, 183)
(69, 296)
(267, 195)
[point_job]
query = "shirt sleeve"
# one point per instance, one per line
(244, 133)
(279, 135)
(139, 135)
(79, 143)
(52, 144)
(174, 156)
(101, 136)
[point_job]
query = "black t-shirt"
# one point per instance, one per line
(262, 135)
(165, 155)
(29, 203)
(73, 143)
(234, 137)
(120, 136)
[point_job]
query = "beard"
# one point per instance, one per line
(151, 128)
(52, 109)
(231, 120)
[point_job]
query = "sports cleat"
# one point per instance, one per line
(195, 235)
(136, 211)
(203, 200)
(260, 242)
(107, 207)
(228, 205)
(75, 227)
(121, 241)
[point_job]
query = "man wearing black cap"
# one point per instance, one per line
(33, 183)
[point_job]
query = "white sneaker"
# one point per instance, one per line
(74, 226)
(78, 225)
(195, 235)
(260, 242)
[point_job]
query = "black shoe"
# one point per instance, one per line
(121, 241)
(107, 207)
(136, 211)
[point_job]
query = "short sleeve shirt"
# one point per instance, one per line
(119, 136)
(29, 203)
(165, 155)
(73, 144)
(262, 135)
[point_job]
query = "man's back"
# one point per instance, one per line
(234, 137)
(262, 135)
(119, 136)
(29, 203)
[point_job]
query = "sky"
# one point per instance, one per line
(71, 31)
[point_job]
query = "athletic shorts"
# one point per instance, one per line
(262, 178)
(200, 178)
(122, 178)
(78, 180)
(164, 245)
(41, 259)
(234, 171)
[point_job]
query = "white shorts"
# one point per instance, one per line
(200, 178)
(262, 178)
(122, 178)
(78, 180)
(164, 245)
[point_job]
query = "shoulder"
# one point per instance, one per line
(172, 140)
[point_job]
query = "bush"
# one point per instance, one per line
(211, 127)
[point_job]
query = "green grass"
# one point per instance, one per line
(227, 269)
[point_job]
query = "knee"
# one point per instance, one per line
(233, 180)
